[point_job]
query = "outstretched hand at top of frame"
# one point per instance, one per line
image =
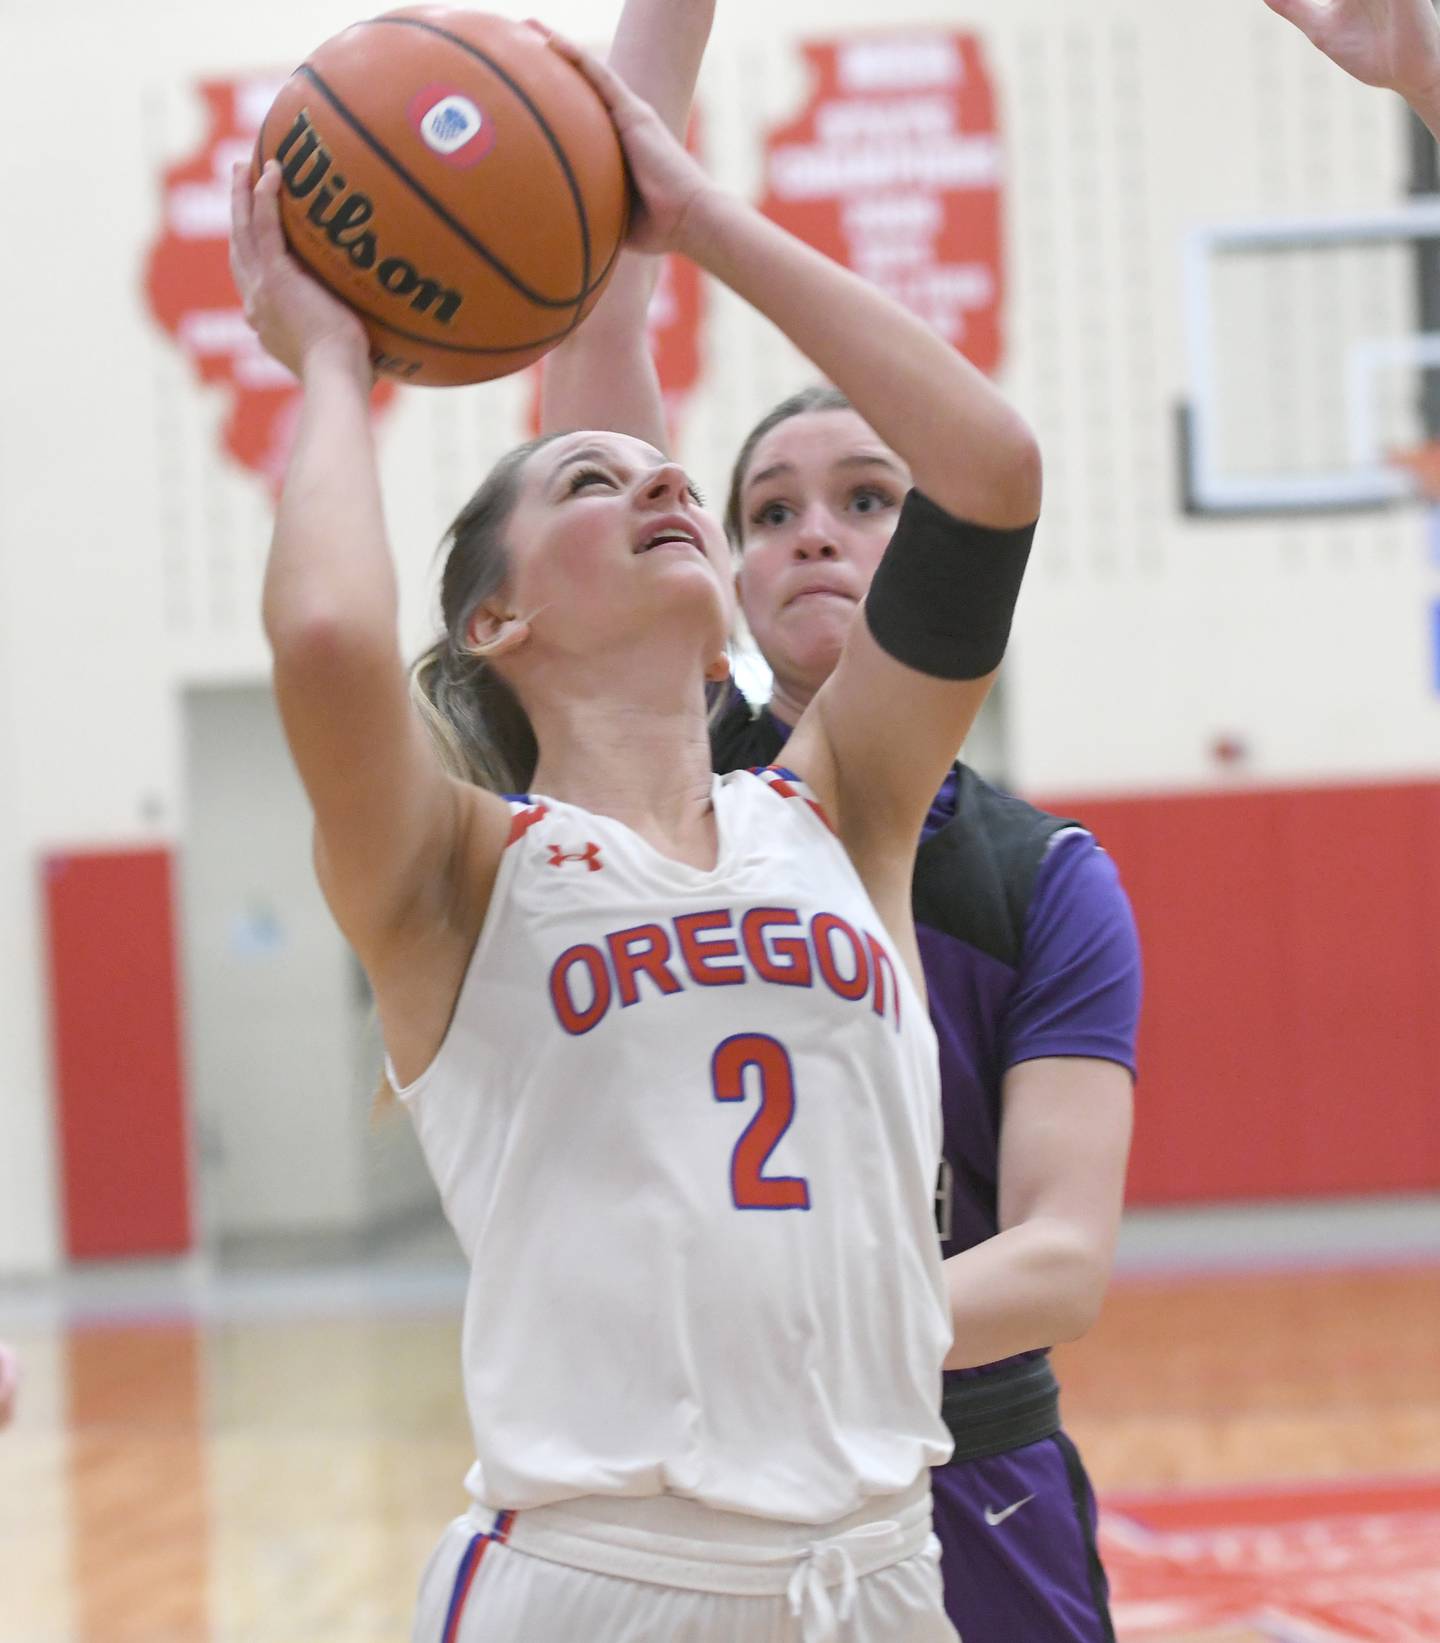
(1390, 43)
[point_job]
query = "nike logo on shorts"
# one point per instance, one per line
(994, 1518)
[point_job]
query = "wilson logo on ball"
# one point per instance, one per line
(342, 215)
(451, 126)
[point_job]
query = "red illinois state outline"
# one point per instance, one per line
(894, 169)
(191, 294)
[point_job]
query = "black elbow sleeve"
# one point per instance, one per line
(944, 595)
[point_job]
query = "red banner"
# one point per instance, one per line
(187, 281)
(894, 169)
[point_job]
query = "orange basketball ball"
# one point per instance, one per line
(454, 181)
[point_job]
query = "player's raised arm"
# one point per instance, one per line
(387, 817)
(1394, 44)
(604, 375)
(885, 727)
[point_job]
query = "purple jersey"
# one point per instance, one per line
(1056, 975)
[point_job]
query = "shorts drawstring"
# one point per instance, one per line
(827, 1563)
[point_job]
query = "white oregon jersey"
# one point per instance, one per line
(686, 1125)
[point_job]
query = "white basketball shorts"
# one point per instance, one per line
(666, 1570)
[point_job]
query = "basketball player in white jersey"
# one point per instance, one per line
(661, 1033)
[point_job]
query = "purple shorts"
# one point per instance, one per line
(1017, 1539)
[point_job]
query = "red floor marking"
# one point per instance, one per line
(1325, 1564)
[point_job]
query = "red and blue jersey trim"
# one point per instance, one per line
(789, 786)
(499, 1532)
(524, 819)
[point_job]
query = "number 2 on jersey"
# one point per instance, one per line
(750, 1187)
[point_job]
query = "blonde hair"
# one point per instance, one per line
(476, 721)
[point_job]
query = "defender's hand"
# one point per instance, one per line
(1389, 43)
(293, 315)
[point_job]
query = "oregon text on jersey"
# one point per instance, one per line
(773, 944)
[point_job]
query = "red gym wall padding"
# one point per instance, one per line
(1289, 1046)
(1290, 1038)
(115, 1030)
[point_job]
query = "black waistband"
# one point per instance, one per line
(1003, 1409)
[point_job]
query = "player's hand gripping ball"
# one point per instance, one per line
(453, 180)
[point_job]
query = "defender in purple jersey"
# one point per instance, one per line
(1032, 964)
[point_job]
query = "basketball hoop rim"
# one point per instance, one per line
(1422, 464)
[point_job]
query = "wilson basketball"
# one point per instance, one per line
(454, 181)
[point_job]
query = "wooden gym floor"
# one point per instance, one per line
(278, 1472)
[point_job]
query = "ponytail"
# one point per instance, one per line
(476, 721)
(479, 728)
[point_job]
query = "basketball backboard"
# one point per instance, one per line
(1307, 360)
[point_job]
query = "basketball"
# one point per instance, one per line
(455, 182)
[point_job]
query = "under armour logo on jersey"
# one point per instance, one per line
(590, 855)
